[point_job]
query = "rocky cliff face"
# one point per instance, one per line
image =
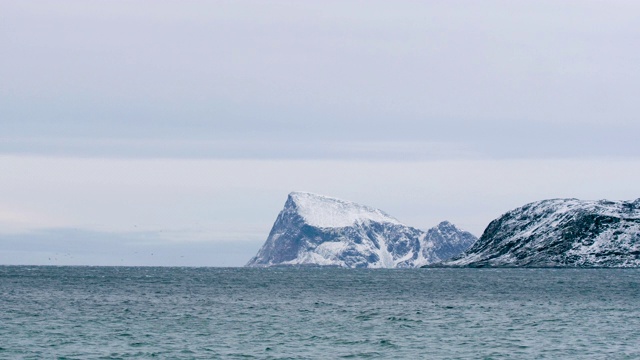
(319, 230)
(560, 232)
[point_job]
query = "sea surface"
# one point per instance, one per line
(318, 313)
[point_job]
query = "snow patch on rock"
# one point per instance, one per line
(323, 211)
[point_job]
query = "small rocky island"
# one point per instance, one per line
(316, 230)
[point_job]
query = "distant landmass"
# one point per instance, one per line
(560, 233)
(316, 230)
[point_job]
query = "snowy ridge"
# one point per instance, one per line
(324, 211)
(318, 230)
(560, 232)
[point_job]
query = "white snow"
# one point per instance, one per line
(386, 258)
(325, 212)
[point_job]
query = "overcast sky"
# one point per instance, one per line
(171, 132)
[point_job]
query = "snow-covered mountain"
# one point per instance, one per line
(319, 230)
(560, 232)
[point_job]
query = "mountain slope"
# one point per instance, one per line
(560, 232)
(319, 230)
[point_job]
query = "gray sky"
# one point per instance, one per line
(178, 128)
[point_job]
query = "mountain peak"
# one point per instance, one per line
(325, 212)
(446, 227)
(445, 224)
(319, 230)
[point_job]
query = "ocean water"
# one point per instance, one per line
(283, 313)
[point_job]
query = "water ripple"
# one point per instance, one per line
(200, 313)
